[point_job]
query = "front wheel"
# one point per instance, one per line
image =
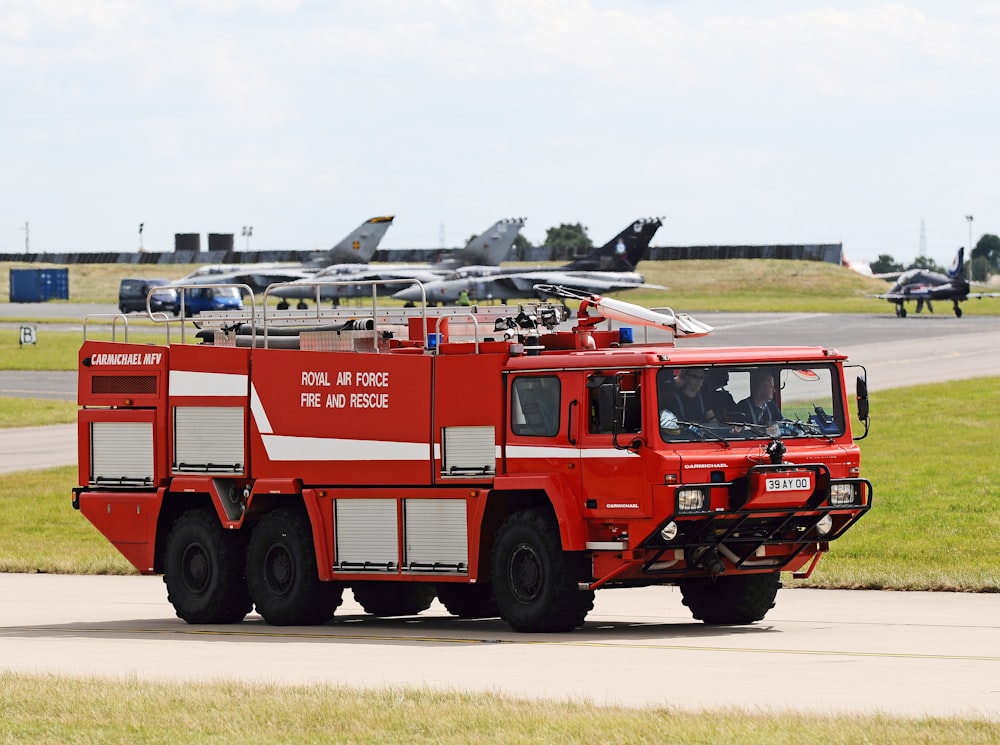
(731, 600)
(534, 580)
(281, 572)
(205, 569)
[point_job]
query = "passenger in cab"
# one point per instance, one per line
(759, 407)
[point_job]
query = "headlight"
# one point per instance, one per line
(842, 494)
(690, 500)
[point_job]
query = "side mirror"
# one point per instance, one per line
(862, 394)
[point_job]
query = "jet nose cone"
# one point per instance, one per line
(408, 294)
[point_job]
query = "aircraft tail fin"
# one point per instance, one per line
(358, 246)
(491, 246)
(957, 264)
(623, 252)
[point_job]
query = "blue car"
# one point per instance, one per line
(197, 299)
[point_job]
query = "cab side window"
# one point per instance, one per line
(534, 406)
(611, 408)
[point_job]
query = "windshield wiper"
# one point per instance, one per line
(701, 430)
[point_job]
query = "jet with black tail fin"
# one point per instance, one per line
(608, 268)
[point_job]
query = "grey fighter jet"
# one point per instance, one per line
(355, 248)
(608, 268)
(490, 247)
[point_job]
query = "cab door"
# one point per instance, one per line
(611, 471)
(538, 438)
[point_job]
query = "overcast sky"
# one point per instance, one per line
(741, 122)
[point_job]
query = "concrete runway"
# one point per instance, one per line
(902, 654)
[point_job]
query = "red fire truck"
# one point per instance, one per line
(503, 459)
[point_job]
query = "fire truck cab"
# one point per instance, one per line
(504, 460)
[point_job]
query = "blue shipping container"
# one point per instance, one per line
(38, 285)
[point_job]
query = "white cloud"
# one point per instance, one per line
(776, 121)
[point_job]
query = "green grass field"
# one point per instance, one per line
(751, 285)
(58, 350)
(89, 711)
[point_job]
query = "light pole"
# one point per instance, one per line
(141, 247)
(969, 218)
(247, 232)
(27, 238)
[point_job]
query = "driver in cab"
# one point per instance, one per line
(684, 401)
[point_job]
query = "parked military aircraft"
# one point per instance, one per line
(924, 286)
(606, 269)
(355, 248)
(490, 247)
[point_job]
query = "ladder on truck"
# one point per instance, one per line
(322, 328)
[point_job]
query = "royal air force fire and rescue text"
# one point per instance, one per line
(366, 399)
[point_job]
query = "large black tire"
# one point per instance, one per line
(281, 572)
(535, 582)
(394, 598)
(731, 600)
(205, 569)
(468, 601)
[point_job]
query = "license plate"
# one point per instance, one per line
(791, 482)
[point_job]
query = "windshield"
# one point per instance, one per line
(230, 292)
(748, 402)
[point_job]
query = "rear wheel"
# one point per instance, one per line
(205, 569)
(468, 601)
(394, 598)
(731, 600)
(281, 572)
(534, 580)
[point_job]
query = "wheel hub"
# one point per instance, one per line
(525, 573)
(279, 570)
(196, 569)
